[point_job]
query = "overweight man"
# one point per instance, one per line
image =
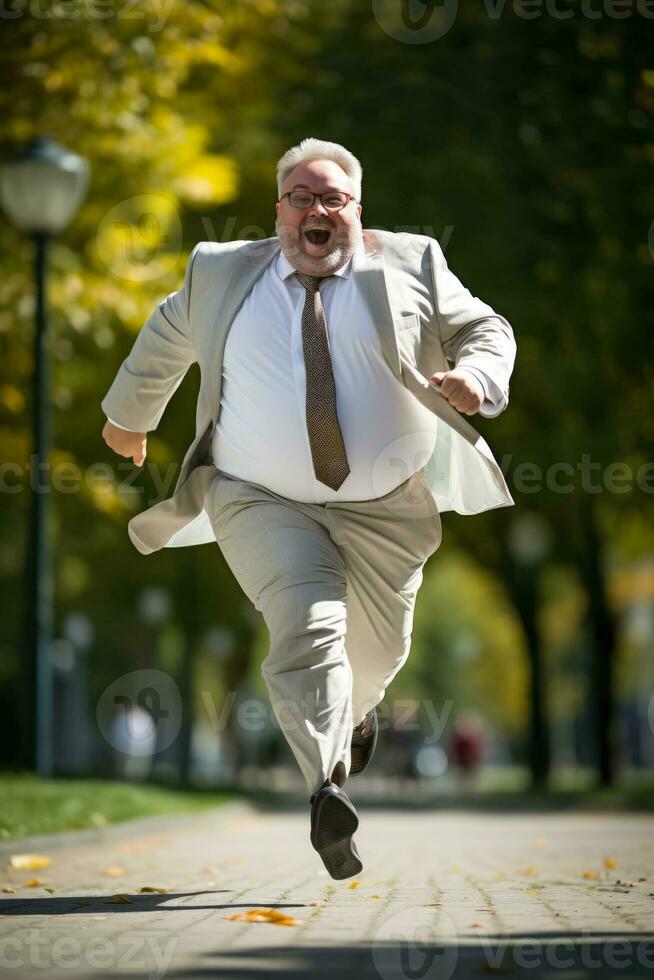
(337, 366)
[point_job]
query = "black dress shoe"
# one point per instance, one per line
(364, 740)
(333, 821)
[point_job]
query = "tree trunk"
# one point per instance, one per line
(523, 586)
(602, 627)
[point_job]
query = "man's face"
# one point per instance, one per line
(317, 241)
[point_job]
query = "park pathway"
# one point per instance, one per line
(442, 894)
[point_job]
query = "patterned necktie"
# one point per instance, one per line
(325, 438)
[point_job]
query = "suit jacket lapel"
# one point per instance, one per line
(369, 270)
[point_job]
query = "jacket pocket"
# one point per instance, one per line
(408, 337)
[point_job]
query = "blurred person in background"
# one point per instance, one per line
(133, 737)
(468, 746)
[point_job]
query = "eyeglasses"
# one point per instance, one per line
(330, 200)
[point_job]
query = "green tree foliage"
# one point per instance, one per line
(172, 106)
(524, 141)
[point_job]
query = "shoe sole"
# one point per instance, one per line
(336, 823)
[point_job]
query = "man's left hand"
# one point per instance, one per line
(462, 390)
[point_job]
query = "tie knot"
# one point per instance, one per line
(310, 283)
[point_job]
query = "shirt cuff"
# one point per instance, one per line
(119, 426)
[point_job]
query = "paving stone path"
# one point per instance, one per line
(442, 894)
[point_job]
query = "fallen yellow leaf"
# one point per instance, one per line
(50, 891)
(32, 883)
(9, 891)
(534, 893)
(529, 871)
(150, 888)
(590, 874)
(610, 863)
(29, 862)
(375, 896)
(114, 871)
(355, 884)
(120, 900)
(273, 916)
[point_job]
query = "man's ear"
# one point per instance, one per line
(277, 208)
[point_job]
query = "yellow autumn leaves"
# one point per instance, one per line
(273, 916)
(29, 862)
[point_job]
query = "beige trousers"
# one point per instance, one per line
(336, 584)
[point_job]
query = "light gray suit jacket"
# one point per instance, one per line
(427, 322)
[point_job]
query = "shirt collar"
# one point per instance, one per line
(284, 269)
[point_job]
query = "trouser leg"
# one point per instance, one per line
(288, 566)
(385, 544)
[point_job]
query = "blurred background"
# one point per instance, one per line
(520, 136)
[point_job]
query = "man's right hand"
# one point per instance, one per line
(126, 443)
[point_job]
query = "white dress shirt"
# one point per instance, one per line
(261, 435)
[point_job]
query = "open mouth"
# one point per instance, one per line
(317, 236)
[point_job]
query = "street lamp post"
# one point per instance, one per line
(41, 187)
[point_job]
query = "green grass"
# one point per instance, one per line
(29, 805)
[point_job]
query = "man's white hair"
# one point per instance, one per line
(313, 149)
